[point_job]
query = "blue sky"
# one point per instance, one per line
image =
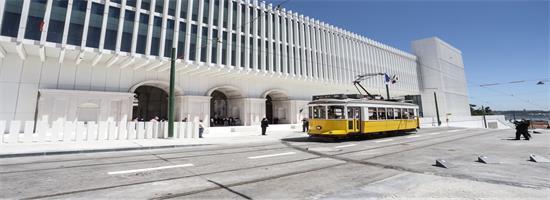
(501, 41)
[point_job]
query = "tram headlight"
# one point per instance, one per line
(318, 128)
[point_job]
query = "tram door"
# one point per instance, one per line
(354, 119)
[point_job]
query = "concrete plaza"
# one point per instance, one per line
(288, 165)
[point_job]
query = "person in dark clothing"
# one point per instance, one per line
(522, 128)
(305, 125)
(264, 125)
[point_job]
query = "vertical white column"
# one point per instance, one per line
(188, 19)
(355, 57)
(309, 50)
(86, 24)
(210, 40)
(342, 72)
(291, 46)
(284, 41)
(220, 33)
(321, 63)
(277, 68)
(47, 14)
(327, 54)
(247, 45)
(150, 28)
(238, 39)
(229, 32)
(67, 23)
(270, 38)
(120, 26)
(263, 36)
(163, 28)
(370, 63)
(199, 45)
(136, 28)
(333, 57)
(364, 64)
(303, 48)
(104, 25)
(2, 7)
(23, 20)
(256, 47)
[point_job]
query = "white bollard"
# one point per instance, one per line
(131, 130)
(102, 130)
(188, 129)
(81, 132)
(57, 131)
(122, 131)
(141, 131)
(41, 130)
(155, 130)
(113, 131)
(91, 130)
(164, 130)
(14, 131)
(69, 131)
(181, 130)
(148, 130)
(2, 131)
(27, 134)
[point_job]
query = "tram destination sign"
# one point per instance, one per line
(337, 96)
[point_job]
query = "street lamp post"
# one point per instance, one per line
(171, 98)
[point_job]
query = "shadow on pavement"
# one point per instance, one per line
(362, 137)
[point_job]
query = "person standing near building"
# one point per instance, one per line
(305, 125)
(201, 128)
(264, 125)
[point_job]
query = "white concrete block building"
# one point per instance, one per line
(94, 60)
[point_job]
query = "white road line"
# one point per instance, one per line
(413, 136)
(272, 155)
(344, 146)
(435, 133)
(383, 140)
(452, 131)
(149, 169)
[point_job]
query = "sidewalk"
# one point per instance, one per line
(50, 148)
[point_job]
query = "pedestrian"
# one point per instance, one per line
(305, 125)
(201, 128)
(522, 129)
(264, 125)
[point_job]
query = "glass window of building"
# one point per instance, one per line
(234, 18)
(216, 11)
(35, 20)
(94, 28)
(127, 30)
(215, 41)
(112, 28)
(195, 11)
(145, 4)
(181, 40)
(259, 50)
(142, 33)
(233, 48)
(131, 3)
(183, 11)
(172, 7)
(116, 1)
(169, 38)
(159, 5)
(241, 46)
(251, 19)
(12, 16)
(57, 21)
(224, 47)
(225, 14)
(267, 64)
(251, 50)
(243, 17)
(205, 10)
(76, 25)
(155, 40)
(193, 43)
(204, 46)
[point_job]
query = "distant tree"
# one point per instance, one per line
(478, 111)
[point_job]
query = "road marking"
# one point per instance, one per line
(413, 136)
(149, 169)
(272, 155)
(452, 131)
(344, 146)
(435, 133)
(383, 140)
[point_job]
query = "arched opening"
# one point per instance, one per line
(269, 110)
(226, 105)
(276, 106)
(150, 102)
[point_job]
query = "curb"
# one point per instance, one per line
(96, 150)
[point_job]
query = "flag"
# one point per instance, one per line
(387, 79)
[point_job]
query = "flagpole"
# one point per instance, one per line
(387, 91)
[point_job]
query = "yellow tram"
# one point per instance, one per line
(344, 117)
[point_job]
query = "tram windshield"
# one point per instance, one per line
(319, 112)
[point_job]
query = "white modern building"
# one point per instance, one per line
(94, 60)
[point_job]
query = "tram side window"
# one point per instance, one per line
(390, 113)
(310, 112)
(411, 113)
(398, 113)
(373, 115)
(405, 113)
(336, 112)
(381, 113)
(319, 112)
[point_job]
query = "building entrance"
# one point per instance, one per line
(218, 109)
(150, 102)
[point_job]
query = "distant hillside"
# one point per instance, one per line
(524, 114)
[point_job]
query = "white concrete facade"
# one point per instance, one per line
(86, 54)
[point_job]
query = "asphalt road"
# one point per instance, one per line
(383, 167)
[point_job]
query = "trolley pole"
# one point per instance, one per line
(437, 110)
(171, 98)
(387, 91)
(484, 119)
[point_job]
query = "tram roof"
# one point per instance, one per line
(359, 101)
